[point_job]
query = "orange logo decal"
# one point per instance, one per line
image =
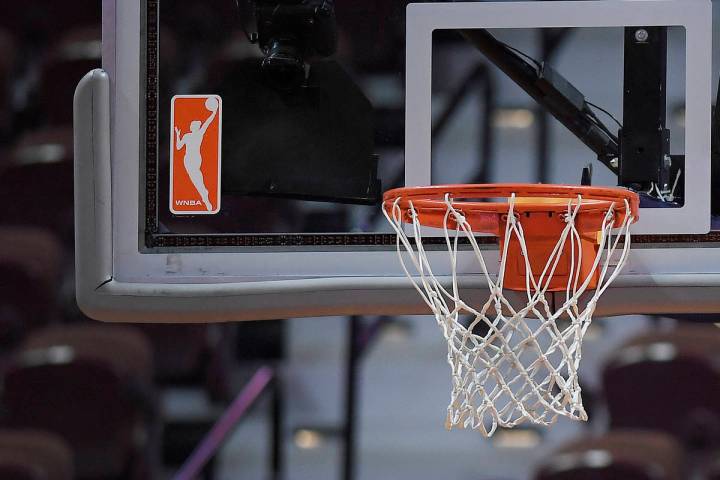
(196, 137)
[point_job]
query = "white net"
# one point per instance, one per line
(511, 365)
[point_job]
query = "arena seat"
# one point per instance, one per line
(34, 454)
(90, 384)
(131, 355)
(44, 145)
(668, 381)
(36, 250)
(23, 306)
(626, 455)
(31, 262)
(40, 195)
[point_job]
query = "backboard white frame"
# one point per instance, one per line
(694, 15)
(115, 281)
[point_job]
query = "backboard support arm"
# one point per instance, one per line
(553, 92)
(640, 154)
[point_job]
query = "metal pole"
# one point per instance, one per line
(351, 384)
(276, 431)
(487, 112)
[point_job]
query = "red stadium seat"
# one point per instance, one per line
(626, 455)
(31, 263)
(44, 145)
(90, 384)
(668, 381)
(34, 454)
(39, 195)
(36, 183)
(35, 250)
(126, 349)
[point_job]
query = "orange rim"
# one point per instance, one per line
(428, 201)
(540, 209)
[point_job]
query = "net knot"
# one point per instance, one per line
(511, 218)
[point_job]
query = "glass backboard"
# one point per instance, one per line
(240, 149)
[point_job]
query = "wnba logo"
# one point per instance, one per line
(195, 151)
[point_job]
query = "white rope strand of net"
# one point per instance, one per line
(510, 365)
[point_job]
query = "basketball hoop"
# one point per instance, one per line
(553, 239)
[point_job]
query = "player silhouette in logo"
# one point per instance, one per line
(192, 142)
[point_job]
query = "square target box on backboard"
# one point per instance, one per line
(195, 153)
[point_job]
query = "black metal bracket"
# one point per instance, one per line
(645, 141)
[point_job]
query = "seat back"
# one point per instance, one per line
(40, 195)
(46, 454)
(89, 384)
(624, 454)
(668, 381)
(31, 265)
(83, 401)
